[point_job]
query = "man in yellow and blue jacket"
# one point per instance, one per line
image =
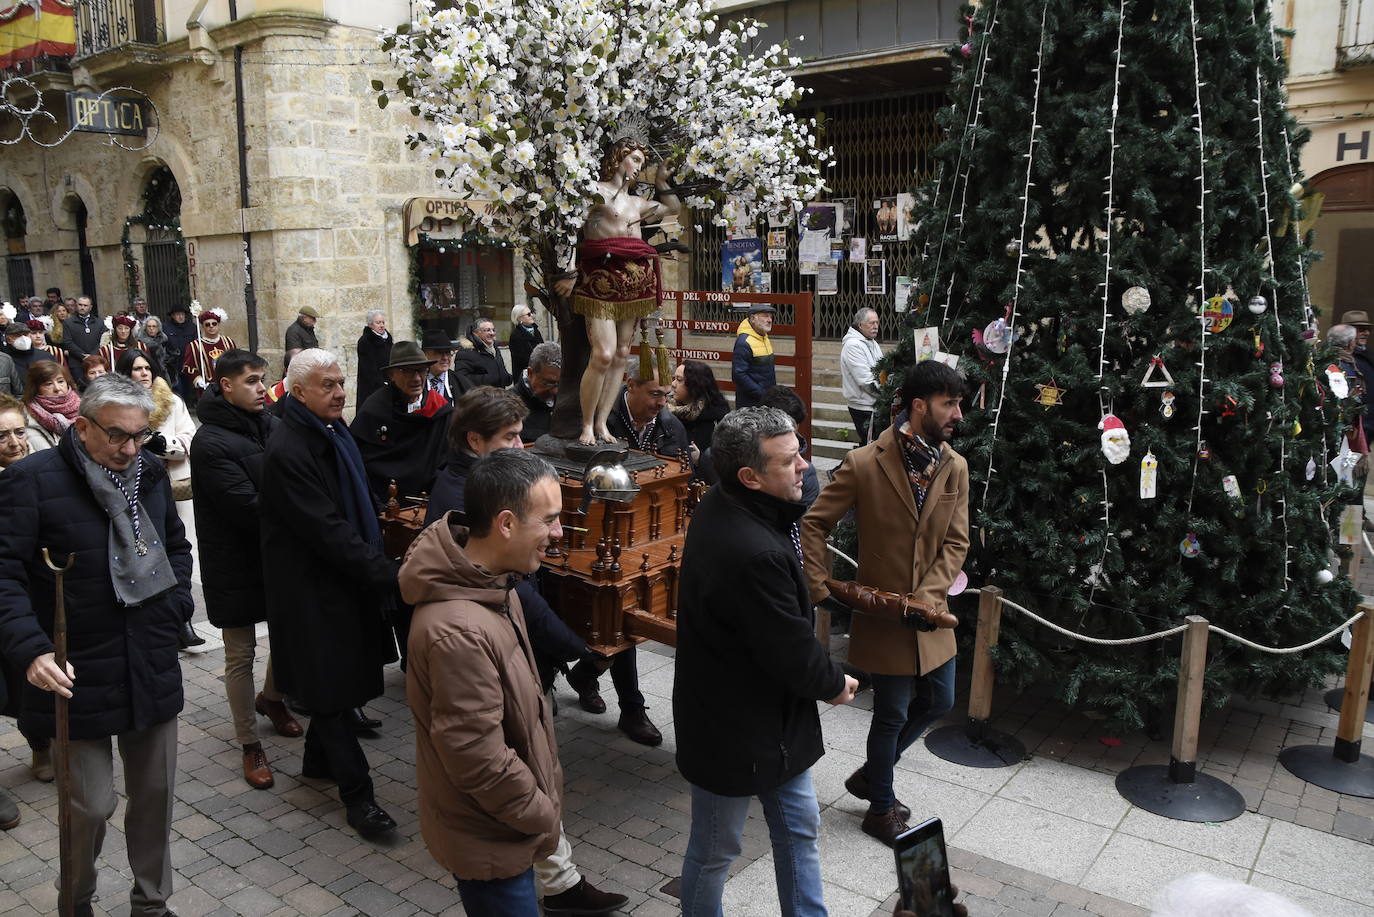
(752, 369)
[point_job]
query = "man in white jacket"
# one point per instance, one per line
(859, 353)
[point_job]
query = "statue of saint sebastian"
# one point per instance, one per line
(617, 281)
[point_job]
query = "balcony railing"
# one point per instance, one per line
(105, 24)
(1355, 41)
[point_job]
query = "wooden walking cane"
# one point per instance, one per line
(65, 905)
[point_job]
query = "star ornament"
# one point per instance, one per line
(1050, 395)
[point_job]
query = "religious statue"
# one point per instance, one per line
(617, 280)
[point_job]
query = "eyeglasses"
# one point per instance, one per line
(118, 437)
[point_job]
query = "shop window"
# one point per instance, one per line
(458, 284)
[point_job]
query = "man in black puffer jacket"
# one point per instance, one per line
(749, 669)
(98, 497)
(226, 474)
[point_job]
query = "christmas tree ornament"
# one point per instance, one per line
(1344, 463)
(1231, 486)
(1352, 520)
(1203, 453)
(1014, 248)
(1324, 577)
(1150, 381)
(1116, 442)
(959, 585)
(1276, 374)
(1136, 300)
(1227, 406)
(1257, 304)
(1190, 547)
(1336, 380)
(1259, 344)
(1311, 469)
(1218, 314)
(997, 336)
(1051, 395)
(1166, 405)
(1297, 427)
(1148, 476)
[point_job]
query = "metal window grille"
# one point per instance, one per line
(1355, 41)
(166, 275)
(105, 24)
(882, 147)
(21, 276)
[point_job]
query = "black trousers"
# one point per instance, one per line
(624, 677)
(862, 420)
(332, 745)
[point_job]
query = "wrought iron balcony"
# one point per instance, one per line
(105, 24)
(1355, 41)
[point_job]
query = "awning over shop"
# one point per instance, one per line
(36, 28)
(439, 217)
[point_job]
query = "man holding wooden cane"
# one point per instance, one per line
(98, 497)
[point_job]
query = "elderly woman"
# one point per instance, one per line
(52, 401)
(152, 337)
(524, 337)
(173, 430)
(92, 366)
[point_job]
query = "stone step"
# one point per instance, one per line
(829, 451)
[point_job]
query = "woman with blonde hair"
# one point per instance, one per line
(52, 401)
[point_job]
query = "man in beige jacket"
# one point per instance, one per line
(490, 785)
(909, 490)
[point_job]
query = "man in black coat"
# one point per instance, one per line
(300, 334)
(181, 330)
(481, 362)
(443, 378)
(328, 580)
(538, 389)
(81, 331)
(374, 352)
(641, 416)
(99, 497)
(749, 669)
(402, 429)
(226, 476)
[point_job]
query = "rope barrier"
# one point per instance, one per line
(1099, 641)
(1275, 651)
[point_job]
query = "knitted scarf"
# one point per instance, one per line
(348, 462)
(55, 413)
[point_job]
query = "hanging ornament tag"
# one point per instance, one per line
(1311, 470)
(1166, 406)
(1190, 546)
(1165, 380)
(1050, 395)
(1231, 486)
(1297, 427)
(1135, 300)
(1203, 452)
(1148, 476)
(1337, 382)
(997, 336)
(1344, 463)
(1217, 314)
(1352, 520)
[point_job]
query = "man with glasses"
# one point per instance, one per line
(641, 416)
(198, 360)
(401, 428)
(99, 499)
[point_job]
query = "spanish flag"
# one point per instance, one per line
(35, 28)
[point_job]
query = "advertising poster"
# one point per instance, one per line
(875, 276)
(846, 212)
(858, 249)
(827, 278)
(903, 297)
(885, 218)
(777, 245)
(741, 263)
(906, 216)
(437, 297)
(822, 217)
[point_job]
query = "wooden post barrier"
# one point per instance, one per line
(1342, 768)
(976, 743)
(1179, 791)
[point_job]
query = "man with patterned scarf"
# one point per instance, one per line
(326, 579)
(909, 491)
(100, 499)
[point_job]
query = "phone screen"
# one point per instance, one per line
(923, 871)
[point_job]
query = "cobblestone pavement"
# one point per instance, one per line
(1081, 849)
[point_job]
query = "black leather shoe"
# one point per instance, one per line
(857, 785)
(360, 721)
(584, 683)
(369, 820)
(188, 636)
(9, 812)
(885, 826)
(582, 899)
(636, 725)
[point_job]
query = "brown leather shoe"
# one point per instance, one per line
(255, 769)
(857, 785)
(41, 765)
(281, 718)
(885, 826)
(635, 724)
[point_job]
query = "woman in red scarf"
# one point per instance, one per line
(52, 401)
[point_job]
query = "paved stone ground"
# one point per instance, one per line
(287, 851)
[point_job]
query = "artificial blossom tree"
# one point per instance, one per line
(519, 100)
(1114, 250)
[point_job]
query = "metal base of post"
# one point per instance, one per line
(1336, 697)
(1177, 791)
(1326, 767)
(975, 745)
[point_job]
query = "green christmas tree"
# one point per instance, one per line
(1115, 231)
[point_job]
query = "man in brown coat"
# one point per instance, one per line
(490, 784)
(918, 549)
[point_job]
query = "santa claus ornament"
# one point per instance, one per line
(1116, 442)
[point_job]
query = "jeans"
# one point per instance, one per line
(903, 706)
(794, 823)
(513, 897)
(240, 647)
